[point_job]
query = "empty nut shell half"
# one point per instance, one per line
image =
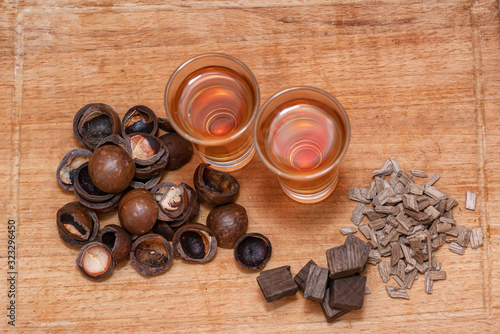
(117, 239)
(145, 183)
(151, 254)
(162, 228)
(252, 251)
(180, 150)
(229, 222)
(138, 211)
(95, 261)
(77, 225)
(139, 119)
(165, 192)
(94, 122)
(111, 169)
(215, 186)
(69, 164)
(195, 243)
(146, 149)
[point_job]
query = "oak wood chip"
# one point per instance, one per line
(365, 230)
(374, 257)
(348, 230)
(422, 267)
(383, 196)
(379, 184)
(372, 215)
(396, 292)
(396, 254)
(410, 278)
(428, 283)
(443, 228)
(463, 236)
(418, 173)
(415, 189)
(450, 203)
(384, 269)
(377, 224)
(387, 210)
(392, 221)
(476, 238)
(395, 164)
(404, 177)
(430, 182)
(437, 275)
(382, 172)
(367, 290)
(358, 215)
(456, 248)
(372, 191)
(355, 194)
(447, 220)
(393, 180)
(435, 193)
(419, 256)
(470, 200)
(432, 212)
(410, 202)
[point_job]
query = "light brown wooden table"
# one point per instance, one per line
(419, 80)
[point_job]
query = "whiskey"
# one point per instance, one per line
(214, 102)
(303, 137)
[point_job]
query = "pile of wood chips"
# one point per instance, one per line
(407, 222)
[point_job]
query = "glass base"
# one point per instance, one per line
(228, 166)
(309, 197)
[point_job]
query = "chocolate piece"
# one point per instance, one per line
(347, 293)
(277, 283)
(317, 280)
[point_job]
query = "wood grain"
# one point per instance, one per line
(419, 80)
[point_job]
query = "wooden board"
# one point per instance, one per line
(419, 80)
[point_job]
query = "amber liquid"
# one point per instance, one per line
(304, 138)
(214, 103)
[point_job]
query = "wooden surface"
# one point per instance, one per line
(419, 80)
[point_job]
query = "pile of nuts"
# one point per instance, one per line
(121, 168)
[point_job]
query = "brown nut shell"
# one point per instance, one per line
(77, 225)
(164, 124)
(105, 206)
(111, 169)
(215, 186)
(94, 122)
(180, 150)
(117, 239)
(146, 172)
(191, 209)
(84, 186)
(162, 228)
(195, 243)
(145, 183)
(115, 140)
(139, 119)
(229, 222)
(138, 211)
(151, 254)
(146, 149)
(252, 251)
(69, 164)
(95, 261)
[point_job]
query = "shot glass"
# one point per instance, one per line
(212, 101)
(302, 134)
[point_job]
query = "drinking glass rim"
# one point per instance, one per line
(216, 142)
(282, 173)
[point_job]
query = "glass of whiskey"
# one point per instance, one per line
(301, 134)
(212, 101)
